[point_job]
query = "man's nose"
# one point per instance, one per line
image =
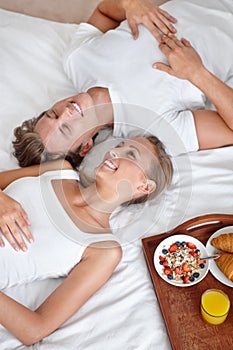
(64, 114)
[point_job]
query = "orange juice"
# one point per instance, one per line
(215, 306)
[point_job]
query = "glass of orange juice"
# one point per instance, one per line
(215, 306)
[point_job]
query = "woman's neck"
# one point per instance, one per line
(88, 208)
(98, 199)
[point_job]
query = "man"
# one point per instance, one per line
(181, 120)
(120, 88)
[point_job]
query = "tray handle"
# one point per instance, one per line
(207, 223)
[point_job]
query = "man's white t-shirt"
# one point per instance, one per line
(144, 98)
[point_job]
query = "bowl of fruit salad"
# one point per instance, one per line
(179, 260)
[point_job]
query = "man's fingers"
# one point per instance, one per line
(172, 41)
(156, 23)
(164, 24)
(134, 28)
(163, 67)
(2, 244)
(154, 30)
(186, 42)
(164, 48)
(168, 16)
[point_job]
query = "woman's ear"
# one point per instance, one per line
(86, 147)
(148, 187)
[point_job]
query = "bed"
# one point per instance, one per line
(125, 313)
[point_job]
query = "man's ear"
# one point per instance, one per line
(148, 187)
(86, 148)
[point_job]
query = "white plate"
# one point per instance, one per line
(214, 269)
(166, 243)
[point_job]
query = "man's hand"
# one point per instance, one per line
(13, 223)
(150, 15)
(185, 62)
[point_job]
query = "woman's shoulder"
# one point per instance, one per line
(61, 174)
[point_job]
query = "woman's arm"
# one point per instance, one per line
(214, 128)
(109, 14)
(95, 268)
(14, 222)
(7, 177)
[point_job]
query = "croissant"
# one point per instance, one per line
(223, 242)
(225, 263)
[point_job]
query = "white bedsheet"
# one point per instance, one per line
(124, 314)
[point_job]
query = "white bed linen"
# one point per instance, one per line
(124, 314)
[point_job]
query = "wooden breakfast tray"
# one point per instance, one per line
(181, 306)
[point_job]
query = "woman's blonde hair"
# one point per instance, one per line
(160, 171)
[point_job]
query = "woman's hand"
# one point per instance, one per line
(13, 223)
(185, 62)
(145, 12)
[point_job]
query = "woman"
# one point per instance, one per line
(74, 221)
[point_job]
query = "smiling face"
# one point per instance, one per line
(65, 126)
(125, 169)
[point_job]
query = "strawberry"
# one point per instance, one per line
(167, 271)
(173, 248)
(191, 245)
(178, 271)
(165, 263)
(194, 254)
(186, 278)
(186, 268)
(161, 258)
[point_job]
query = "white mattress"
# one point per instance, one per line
(125, 313)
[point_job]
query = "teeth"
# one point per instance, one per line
(76, 106)
(110, 164)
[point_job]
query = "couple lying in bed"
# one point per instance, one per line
(142, 98)
(129, 173)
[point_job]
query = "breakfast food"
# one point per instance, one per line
(181, 262)
(223, 242)
(225, 263)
